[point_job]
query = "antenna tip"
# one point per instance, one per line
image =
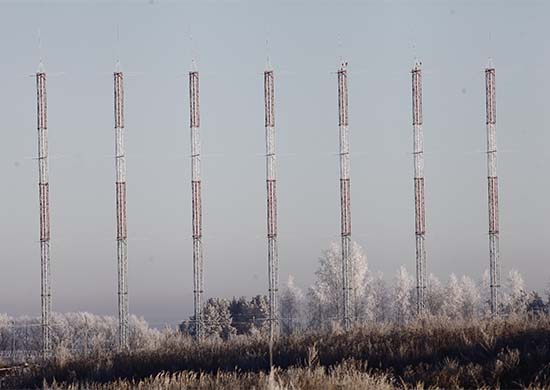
(193, 67)
(490, 63)
(117, 66)
(343, 64)
(268, 66)
(417, 64)
(41, 68)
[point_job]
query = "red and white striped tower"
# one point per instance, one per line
(271, 181)
(420, 218)
(44, 197)
(122, 234)
(492, 179)
(196, 200)
(345, 202)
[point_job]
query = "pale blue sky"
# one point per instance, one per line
(306, 41)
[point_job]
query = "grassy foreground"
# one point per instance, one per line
(506, 353)
(343, 377)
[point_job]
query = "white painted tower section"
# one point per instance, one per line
(44, 199)
(196, 201)
(271, 187)
(420, 217)
(345, 201)
(122, 233)
(492, 180)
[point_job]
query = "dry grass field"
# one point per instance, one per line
(429, 353)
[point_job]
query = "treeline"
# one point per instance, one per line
(375, 300)
(72, 334)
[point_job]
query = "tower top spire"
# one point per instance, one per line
(41, 68)
(268, 66)
(343, 65)
(193, 67)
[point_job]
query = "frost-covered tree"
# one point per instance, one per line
(240, 316)
(258, 310)
(325, 295)
(74, 333)
(250, 316)
(402, 296)
(315, 302)
(515, 298)
(216, 320)
(435, 296)
(452, 306)
(470, 298)
(535, 304)
(85, 331)
(326, 291)
(5, 334)
(485, 293)
(461, 298)
(22, 333)
(291, 304)
(360, 277)
(377, 299)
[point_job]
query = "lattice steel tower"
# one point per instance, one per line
(345, 205)
(420, 218)
(122, 233)
(492, 180)
(196, 200)
(44, 198)
(271, 181)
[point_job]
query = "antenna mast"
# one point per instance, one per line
(196, 201)
(44, 197)
(492, 179)
(122, 234)
(271, 181)
(420, 218)
(345, 205)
